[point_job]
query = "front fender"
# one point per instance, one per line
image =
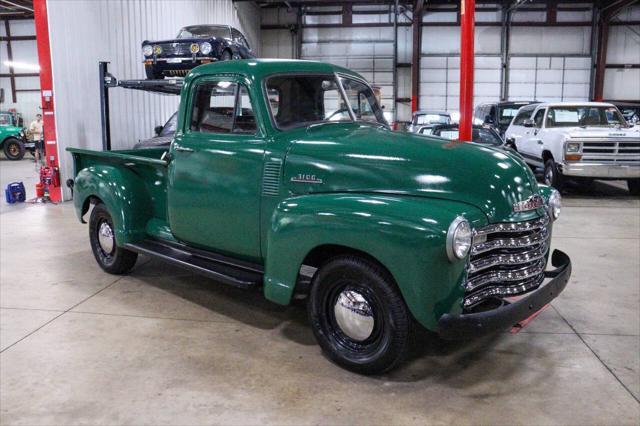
(405, 234)
(124, 195)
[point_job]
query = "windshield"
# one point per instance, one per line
(6, 120)
(432, 118)
(507, 113)
(204, 31)
(170, 126)
(301, 100)
(584, 116)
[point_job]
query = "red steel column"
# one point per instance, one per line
(46, 91)
(467, 29)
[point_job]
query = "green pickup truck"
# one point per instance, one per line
(13, 141)
(281, 167)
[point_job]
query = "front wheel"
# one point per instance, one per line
(13, 149)
(226, 56)
(358, 316)
(634, 186)
(110, 257)
(552, 175)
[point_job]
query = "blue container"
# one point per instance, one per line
(15, 193)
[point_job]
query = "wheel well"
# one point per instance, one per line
(546, 155)
(91, 200)
(322, 254)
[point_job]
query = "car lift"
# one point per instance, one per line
(168, 86)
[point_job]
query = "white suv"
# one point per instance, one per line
(585, 141)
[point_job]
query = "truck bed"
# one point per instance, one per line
(145, 169)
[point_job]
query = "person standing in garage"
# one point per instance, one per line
(37, 136)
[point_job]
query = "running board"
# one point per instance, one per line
(220, 268)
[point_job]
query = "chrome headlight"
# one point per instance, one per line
(555, 204)
(205, 48)
(147, 50)
(572, 147)
(459, 237)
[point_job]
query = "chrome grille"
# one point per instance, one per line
(507, 259)
(176, 49)
(605, 150)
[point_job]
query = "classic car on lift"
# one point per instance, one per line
(193, 46)
(281, 167)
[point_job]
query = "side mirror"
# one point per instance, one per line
(528, 123)
(511, 140)
(158, 130)
(488, 119)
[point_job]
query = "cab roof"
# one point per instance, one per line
(259, 68)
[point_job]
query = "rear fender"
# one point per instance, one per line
(404, 234)
(124, 195)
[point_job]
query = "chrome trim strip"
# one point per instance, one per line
(514, 227)
(502, 291)
(511, 275)
(527, 241)
(508, 259)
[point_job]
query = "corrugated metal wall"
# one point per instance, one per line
(28, 103)
(83, 33)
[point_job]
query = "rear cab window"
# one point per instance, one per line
(222, 106)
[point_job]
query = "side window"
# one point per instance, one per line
(524, 114)
(222, 107)
(537, 119)
(239, 38)
(245, 120)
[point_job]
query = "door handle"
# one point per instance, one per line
(183, 149)
(539, 141)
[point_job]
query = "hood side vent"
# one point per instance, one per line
(271, 177)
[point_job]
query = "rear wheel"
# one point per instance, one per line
(13, 149)
(552, 175)
(358, 316)
(110, 257)
(634, 186)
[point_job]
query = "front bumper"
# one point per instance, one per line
(464, 326)
(600, 170)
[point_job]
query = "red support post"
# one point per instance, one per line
(467, 29)
(46, 92)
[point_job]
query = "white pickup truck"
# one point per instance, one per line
(581, 141)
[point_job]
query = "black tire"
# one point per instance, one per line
(226, 56)
(117, 260)
(387, 343)
(13, 149)
(552, 175)
(634, 186)
(151, 74)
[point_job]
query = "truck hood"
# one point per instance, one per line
(600, 132)
(357, 157)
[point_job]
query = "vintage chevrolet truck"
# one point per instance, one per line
(283, 166)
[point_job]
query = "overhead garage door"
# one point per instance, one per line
(440, 81)
(549, 78)
(368, 51)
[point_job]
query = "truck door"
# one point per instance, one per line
(216, 168)
(529, 143)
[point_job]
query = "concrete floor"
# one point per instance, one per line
(162, 346)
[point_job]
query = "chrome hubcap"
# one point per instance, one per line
(354, 315)
(105, 238)
(548, 177)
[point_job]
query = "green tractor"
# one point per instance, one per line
(12, 137)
